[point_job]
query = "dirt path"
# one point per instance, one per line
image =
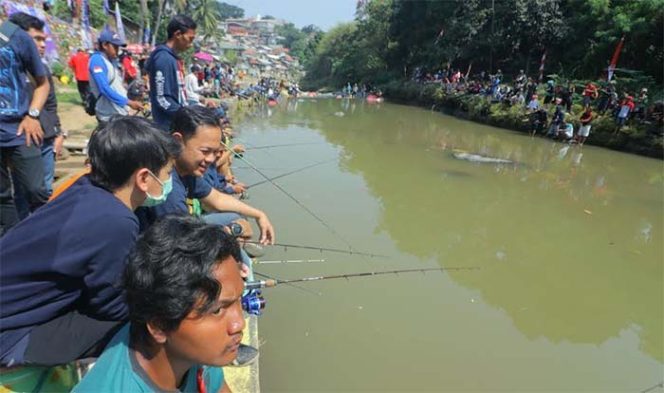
(79, 125)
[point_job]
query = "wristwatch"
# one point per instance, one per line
(34, 113)
(236, 229)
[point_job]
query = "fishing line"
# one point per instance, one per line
(290, 285)
(284, 145)
(291, 172)
(311, 213)
(271, 282)
(261, 262)
(321, 249)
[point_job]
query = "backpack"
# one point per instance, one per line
(7, 30)
(91, 100)
(91, 104)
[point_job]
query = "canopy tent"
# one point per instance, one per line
(204, 56)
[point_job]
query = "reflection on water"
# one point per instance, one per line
(569, 238)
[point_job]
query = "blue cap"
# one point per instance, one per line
(112, 37)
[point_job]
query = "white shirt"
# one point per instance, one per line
(191, 87)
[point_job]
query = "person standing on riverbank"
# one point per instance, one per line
(79, 63)
(107, 82)
(50, 123)
(166, 71)
(20, 130)
(626, 108)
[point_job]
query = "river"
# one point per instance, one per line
(568, 241)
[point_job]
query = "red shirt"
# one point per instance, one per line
(590, 91)
(79, 64)
(128, 65)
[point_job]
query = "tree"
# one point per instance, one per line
(206, 15)
(229, 11)
(289, 34)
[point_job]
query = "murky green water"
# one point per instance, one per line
(569, 241)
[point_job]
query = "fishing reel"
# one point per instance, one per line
(253, 302)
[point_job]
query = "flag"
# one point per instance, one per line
(107, 8)
(85, 25)
(146, 35)
(614, 59)
(118, 22)
(541, 69)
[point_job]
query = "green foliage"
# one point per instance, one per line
(302, 43)
(579, 36)
(57, 69)
(353, 52)
(97, 16)
(231, 57)
(229, 11)
(206, 15)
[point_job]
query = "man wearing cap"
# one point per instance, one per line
(106, 80)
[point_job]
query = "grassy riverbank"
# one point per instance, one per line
(634, 138)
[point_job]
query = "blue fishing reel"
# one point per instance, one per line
(253, 302)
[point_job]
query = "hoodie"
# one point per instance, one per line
(167, 93)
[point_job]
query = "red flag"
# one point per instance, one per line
(541, 69)
(614, 59)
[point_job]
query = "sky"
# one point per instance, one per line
(322, 13)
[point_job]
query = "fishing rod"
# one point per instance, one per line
(321, 249)
(302, 205)
(271, 282)
(261, 262)
(291, 172)
(283, 145)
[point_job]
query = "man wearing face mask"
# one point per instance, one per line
(60, 266)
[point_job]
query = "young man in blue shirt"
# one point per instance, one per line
(106, 80)
(196, 129)
(59, 267)
(166, 71)
(48, 119)
(183, 290)
(20, 130)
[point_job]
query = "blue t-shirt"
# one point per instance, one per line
(117, 370)
(68, 255)
(217, 181)
(179, 201)
(17, 58)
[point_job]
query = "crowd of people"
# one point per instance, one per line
(526, 92)
(157, 209)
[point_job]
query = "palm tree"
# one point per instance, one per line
(206, 14)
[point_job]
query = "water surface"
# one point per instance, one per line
(569, 296)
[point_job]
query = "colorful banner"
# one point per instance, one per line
(107, 8)
(118, 22)
(86, 35)
(541, 68)
(146, 35)
(614, 59)
(51, 51)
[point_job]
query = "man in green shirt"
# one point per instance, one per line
(184, 291)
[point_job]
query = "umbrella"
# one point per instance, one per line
(203, 56)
